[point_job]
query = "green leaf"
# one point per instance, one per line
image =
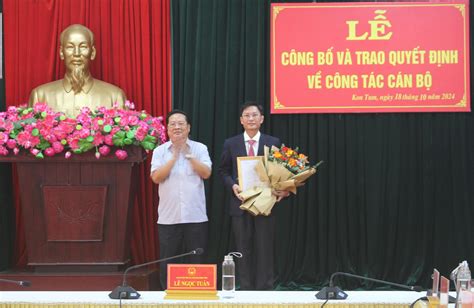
(85, 145)
(43, 145)
(14, 134)
(118, 138)
(17, 125)
(149, 142)
(131, 134)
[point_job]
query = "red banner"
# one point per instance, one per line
(370, 57)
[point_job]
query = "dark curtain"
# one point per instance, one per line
(133, 51)
(394, 198)
(6, 206)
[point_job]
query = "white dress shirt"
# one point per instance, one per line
(255, 145)
(182, 196)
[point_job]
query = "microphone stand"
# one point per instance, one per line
(333, 292)
(126, 292)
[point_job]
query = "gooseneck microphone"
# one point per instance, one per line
(333, 292)
(126, 292)
(21, 283)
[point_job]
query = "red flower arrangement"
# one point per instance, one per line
(291, 159)
(42, 131)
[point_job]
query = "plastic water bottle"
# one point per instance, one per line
(228, 274)
(463, 281)
(228, 277)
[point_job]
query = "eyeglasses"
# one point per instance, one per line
(251, 115)
(177, 124)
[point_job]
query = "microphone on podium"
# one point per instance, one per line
(333, 292)
(21, 283)
(126, 292)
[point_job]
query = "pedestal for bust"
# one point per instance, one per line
(77, 212)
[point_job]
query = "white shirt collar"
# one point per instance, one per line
(256, 137)
(170, 144)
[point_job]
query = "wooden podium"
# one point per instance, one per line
(77, 211)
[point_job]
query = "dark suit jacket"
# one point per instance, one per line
(233, 148)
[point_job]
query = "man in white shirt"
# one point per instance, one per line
(180, 166)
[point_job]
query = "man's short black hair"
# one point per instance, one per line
(250, 104)
(175, 111)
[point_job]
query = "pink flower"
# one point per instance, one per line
(40, 107)
(124, 121)
(16, 151)
(104, 150)
(84, 116)
(27, 140)
(73, 143)
(97, 123)
(84, 133)
(6, 125)
(3, 138)
(121, 154)
(67, 155)
(109, 140)
(97, 155)
(98, 139)
(11, 143)
(57, 147)
(114, 130)
(3, 150)
(62, 130)
(12, 109)
(129, 105)
(109, 113)
(133, 120)
(129, 120)
(34, 151)
(49, 152)
(141, 133)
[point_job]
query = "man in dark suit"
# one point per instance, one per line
(254, 235)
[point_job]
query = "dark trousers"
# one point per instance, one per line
(254, 236)
(181, 238)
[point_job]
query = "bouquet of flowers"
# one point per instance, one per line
(41, 131)
(283, 169)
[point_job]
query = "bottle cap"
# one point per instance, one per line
(464, 272)
(229, 257)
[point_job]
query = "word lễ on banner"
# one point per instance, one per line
(370, 57)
